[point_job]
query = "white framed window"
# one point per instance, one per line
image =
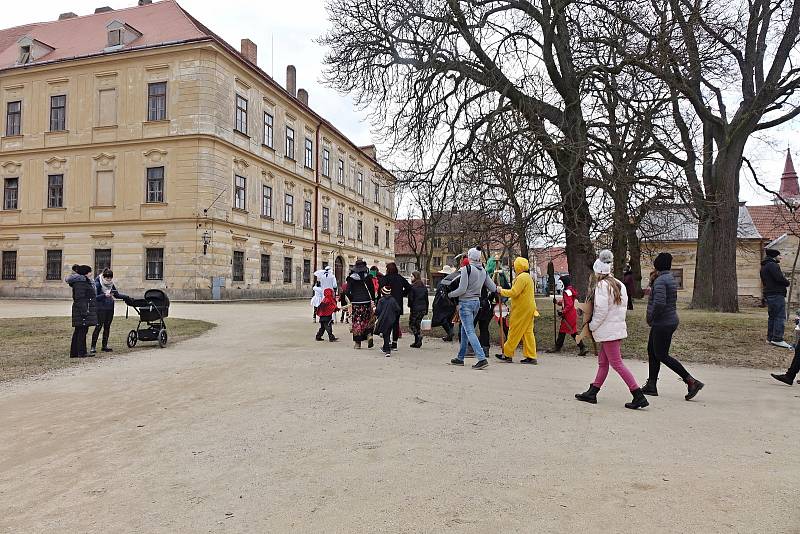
(269, 130)
(266, 201)
(240, 192)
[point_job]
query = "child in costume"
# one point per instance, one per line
(523, 313)
(569, 317)
(326, 310)
(387, 312)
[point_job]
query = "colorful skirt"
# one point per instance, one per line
(361, 321)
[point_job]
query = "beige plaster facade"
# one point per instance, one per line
(107, 144)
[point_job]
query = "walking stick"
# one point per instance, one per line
(500, 313)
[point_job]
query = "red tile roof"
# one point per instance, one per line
(557, 255)
(774, 220)
(160, 23)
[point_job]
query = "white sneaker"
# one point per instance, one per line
(781, 344)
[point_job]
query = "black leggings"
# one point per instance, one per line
(562, 337)
(658, 352)
(104, 319)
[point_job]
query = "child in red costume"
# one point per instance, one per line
(569, 316)
(325, 311)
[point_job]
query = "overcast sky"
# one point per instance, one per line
(284, 31)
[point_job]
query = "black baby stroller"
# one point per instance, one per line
(152, 309)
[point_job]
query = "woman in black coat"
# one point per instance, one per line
(84, 308)
(400, 289)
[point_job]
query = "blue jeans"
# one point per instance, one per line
(467, 312)
(776, 310)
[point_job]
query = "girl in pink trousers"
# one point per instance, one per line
(608, 330)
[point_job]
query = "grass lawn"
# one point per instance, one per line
(719, 338)
(33, 345)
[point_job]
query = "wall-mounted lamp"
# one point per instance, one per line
(206, 241)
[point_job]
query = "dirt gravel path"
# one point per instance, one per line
(254, 427)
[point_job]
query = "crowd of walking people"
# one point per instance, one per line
(472, 297)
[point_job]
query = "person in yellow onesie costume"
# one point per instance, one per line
(523, 313)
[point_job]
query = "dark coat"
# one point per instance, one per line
(400, 288)
(662, 305)
(443, 306)
(84, 305)
(386, 313)
(106, 303)
(775, 283)
(418, 299)
(359, 288)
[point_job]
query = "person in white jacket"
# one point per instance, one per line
(610, 300)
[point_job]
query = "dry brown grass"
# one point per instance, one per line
(706, 337)
(34, 345)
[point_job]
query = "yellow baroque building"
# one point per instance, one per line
(139, 140)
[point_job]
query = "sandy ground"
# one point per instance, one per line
(254, 427)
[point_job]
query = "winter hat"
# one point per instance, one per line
(474, 254)
(386, 290)
(565, 280)
(606, 256)
(773, 253)
(83, 270)
(601, 267)
(663, 262)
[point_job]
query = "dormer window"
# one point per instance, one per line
(24, 54)
(31, 50)
(121, 34)
(114, 37)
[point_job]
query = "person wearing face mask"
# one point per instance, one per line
(106, 293)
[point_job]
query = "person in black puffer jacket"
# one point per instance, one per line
(84, 308)
(400, 289)
(418, 304)
(662, 317)
(775, 284)
(106, 293)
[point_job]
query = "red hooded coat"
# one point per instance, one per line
(328, 306)
(569, 315)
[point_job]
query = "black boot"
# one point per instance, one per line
(553, 350)
(649, 387)
(448, 338)
(694, 386)
(582, 350)
(417, 341)
(590, 395)
(639, 400)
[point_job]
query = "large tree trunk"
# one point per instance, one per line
(580, 253)
(702, 294)
(726, 221)
(619, 238)
(635, 252)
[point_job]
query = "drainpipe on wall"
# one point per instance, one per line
(316, 201)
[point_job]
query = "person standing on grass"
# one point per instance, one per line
(326, 310)
(84, 308)
(400, 290)
(662, 317)
(387, 313)
(106, 293)
(569, 317)
(361, 297)
(775, 284)
(608, 330)
(473, 278)
(630, 285)
(418, 304)
(523, 315)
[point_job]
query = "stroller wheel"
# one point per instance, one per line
(132, 339)
(162, 338)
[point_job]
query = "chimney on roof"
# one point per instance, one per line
(302, 96)
(291, 80)
(370, 151)
(67, 15)
(103, 9)
(790, 189)
(250, 51)
(145, 2)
